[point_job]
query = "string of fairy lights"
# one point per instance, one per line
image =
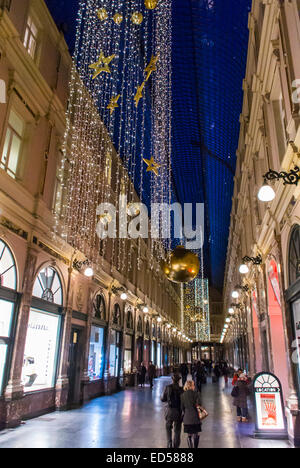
(120, 108)
(119, 77)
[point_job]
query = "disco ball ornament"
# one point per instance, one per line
(182, 267)
(151, 4)
(102, 14)
(118, 18)
(137, 18)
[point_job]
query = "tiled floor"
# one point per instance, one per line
(134, 419)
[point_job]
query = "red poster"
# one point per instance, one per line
(268, 410)
(274, 279)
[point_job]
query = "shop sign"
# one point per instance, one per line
(269, 407)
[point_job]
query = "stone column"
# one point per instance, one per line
(14, 390)
(62, 383)
(86, 351)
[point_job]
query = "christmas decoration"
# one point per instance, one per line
(137, 18)
(152, 165)
(101, 65)
(182, 267)
(102, 14)
(113, 103)
(139, 94)
(118, 18)
(151, 4)
(151, 67)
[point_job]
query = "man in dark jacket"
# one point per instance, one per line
(184, 371)
(151, 373)
(172, 396)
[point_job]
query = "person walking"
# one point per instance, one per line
(190, 400)
(240, 395)
(151, 373)
(184, 371)
(142, 375)
(173, 414)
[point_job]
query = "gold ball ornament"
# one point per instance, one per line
(137, 18)
(118, 18)
(102, 14)
(182, 267)
(151, 4)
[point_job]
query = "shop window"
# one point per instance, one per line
(128, 354)
(8, 272)
(99, 307)
(114, 354)
(6, 316)
(153, 330)
(159, 364)
(30, 37)
(96, 353)
(11, 154)
(294, 255)
(47, 286)
(41, 349)
(129, 321)
(117, 315)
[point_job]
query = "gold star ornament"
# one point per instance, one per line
(152, 66)
(113, 103)
(101, 65)
(152, 165)
(139, 94)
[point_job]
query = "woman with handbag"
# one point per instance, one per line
(240, 395)
(193, 412)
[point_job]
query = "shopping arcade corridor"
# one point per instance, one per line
(134, 419)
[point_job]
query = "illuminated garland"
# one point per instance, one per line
(113, 89)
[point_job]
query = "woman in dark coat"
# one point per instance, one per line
(241, 400)
(142, 374)
(190, 399)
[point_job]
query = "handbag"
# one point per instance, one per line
(202, 413)
(235, 392)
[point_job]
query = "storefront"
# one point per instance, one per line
(43, 332)
(115, 354)
(128, 353)
(96, 353)
(8, 302)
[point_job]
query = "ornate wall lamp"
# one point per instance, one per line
(120, 291)
(86, 264)
(267, 193)
(244, 269)
(235, 292)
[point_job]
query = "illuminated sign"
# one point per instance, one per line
(270, 420)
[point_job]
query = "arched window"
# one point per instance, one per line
(48, 287)
(294, 255)
(147, 331)
(117, 315)
(99, 307)
(129, 321)
(153, 330)
(8, 272)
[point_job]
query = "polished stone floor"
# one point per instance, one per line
(134, 419)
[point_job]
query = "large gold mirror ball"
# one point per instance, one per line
(183, 266)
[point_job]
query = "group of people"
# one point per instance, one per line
(184, 402)
(142, 372)
(183, 405)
